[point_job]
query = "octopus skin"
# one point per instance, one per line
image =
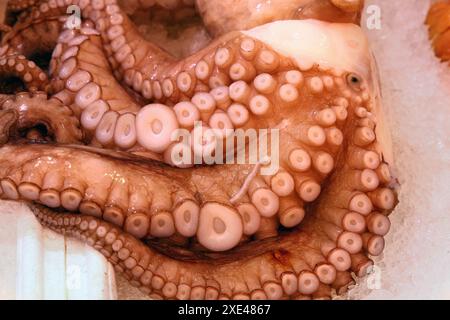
(207, 231)
(36, 31)
(20, 5)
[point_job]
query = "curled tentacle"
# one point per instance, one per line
(160, 276)
(132, 201)
(20, 5)
(222, 16)
(18, 73)
(350, 6)
(4, 97)
(35, 110)
(185, 231)
(4, 28)
(439, 28)
(3, 12)
(35, 40)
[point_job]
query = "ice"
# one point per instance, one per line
(416, 92)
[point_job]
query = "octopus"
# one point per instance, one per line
(149, 155)
(438, 21)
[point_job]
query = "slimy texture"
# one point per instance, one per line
(104, 165)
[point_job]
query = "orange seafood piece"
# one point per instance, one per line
(438, 20)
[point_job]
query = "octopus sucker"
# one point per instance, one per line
(147, 156)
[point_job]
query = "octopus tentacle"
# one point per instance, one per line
(190, 229)
(5, 28)
(133, 200)
(348, 5)
(20, 5)
(269, 98)
(50, 15)
(439, 28)
(88, 87)
(72, 69)
(152, 210)
(134, 5)
(31, 77)
(4, 97)
(154, 73)
(34, 109)
(8, 119)
(308, 156)
(277, 274)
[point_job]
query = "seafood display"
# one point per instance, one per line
(438, 21)
(251, 164)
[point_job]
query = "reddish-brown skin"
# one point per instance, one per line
(19, 5)
(35, 109)
(30, 75)
(161, 226)
(258, 265)
(438, 21)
